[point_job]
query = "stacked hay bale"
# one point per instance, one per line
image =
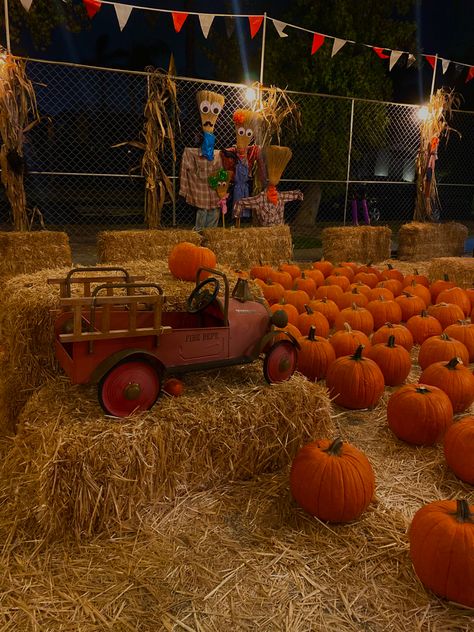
(419, 240)
(25, 252)
(356, 243)
(144, 245)
(460, 270)
(244, 247)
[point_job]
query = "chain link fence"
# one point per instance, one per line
(81, 182)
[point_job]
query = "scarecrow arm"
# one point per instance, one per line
(289, 196)
(250, 202)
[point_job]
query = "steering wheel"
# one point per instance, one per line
(201, 297)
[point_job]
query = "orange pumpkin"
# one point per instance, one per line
(403, 336)
(306, 284)
(470, 292)
(419, 414)
(347, 340)
(292, 268)
(368, 278)
(332, 480)
(393, 360)
(345, 271)
(289, 328)
(173, 387)
(384, 311)
(441, 538)
(439, 348)
(298, 298)
(358, 318)
(283, 278)
(417, 289)
(350, 297)
(410, 305)
(340, 280)
(362, 288)
(377, 292)
(332, 292)
(446, 313)
(290, 310)
(309, 318)
(186, 258)
(393, 285)
(456, 296)
(370, 269)
(316, 275)
(326, 307)
(392, 273)
(423, 326)
(454, 379)
(314, 356)
(463, 331)
(355, 382)
(438, 286)
(323, 266)
(419, 278)
(459, 449)
(262, 272)
(271, 291)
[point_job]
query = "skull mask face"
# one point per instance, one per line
(210, 105)
(246, 122)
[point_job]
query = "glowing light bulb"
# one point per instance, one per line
(250, 94)
(423, 113)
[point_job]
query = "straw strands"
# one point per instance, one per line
(114, 246)
(244, 247)
(460, 270)
(94, 473)
(276, 159)
(356, 243)
(419, 240)
(24, 252)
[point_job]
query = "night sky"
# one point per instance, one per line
(444, 27)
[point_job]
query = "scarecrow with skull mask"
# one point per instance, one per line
(241, 158)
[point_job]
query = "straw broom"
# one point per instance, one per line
(18, 114)
(276, 159)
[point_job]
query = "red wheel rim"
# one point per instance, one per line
(280, 362)
(129, 387)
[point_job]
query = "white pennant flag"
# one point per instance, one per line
(337, 45)
(206, 21)
(444, 64)
(26, 4)
(123, 13)
(411, 60)
(394, 57)
(280, 27)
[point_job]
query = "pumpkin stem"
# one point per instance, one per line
(308, 309)
(358, 353)
(355, 307)
(462, 510)
(382, 298)
(324, 299)
(312, 333)
(424, 313)
(391, 342)
(336, 447)
(452, 364)
(389, 266)
(445, 277)
(444, 336)
(416, 272)
(389, 325)
(347, 327)
(355, 290)
(423, 390)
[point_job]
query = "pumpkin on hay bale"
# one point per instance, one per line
(115, 246)
(27, 252)
(92, 473)
(460, 270)
(243, 247)
(28, 334)
(423, 241)
(357, 243)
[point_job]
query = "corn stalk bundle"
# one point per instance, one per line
(432, 130)
(279, 112)
(161, 115)
(18, 114)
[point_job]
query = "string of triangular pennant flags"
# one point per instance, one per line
(123, 12)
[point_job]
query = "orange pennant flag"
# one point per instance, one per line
(255, 24)
(92, 7)
(178, 20)
(380, 52)
(470, 74)
(431, 60)
(318, 41)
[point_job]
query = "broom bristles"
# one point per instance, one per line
(208, 95)
(276, 159)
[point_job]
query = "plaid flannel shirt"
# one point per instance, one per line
(265, 212)
(195, 170)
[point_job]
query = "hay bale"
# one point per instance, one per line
(459, 269)
(240, 248)
(93, 472)
(146, 245)
(356, 243)
(23, 253)
(419, 240)
(28, 334)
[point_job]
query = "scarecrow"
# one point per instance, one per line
(268, 207)
(220, 182)
(241, 158)
(359, 202)
(199, 164)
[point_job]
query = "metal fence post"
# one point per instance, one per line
(348, 174)
(434, 75)
(262, 58)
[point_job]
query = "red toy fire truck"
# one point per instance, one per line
(116, 334)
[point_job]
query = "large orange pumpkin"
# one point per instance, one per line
(358, 318)
(456, 296)
(352, 297)
(423, 326)
(306, 284)
(384, 311)
(338, 279)
(325, 267)
(309, 318)
(454, 379)
(419, 278)
(418, 289)
(393, 360)
(463, 331)
(326, 307)
(332, 292)
(392, 273)
(332, 480)
(346, 341)
(298, 298)
(446, 313)
(441, 538)
(186, 258)
(442, 347)
(402, 335)
(355, 382)
(292, 268)
(419, 414)
(459, 449)
(410, 305)
(290, 310)
(315, 355)
(438, 286)
(391, 284)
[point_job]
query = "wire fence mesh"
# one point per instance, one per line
(82, 182)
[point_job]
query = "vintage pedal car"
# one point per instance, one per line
(116, 334)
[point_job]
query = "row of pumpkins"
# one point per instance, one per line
(333, 480)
